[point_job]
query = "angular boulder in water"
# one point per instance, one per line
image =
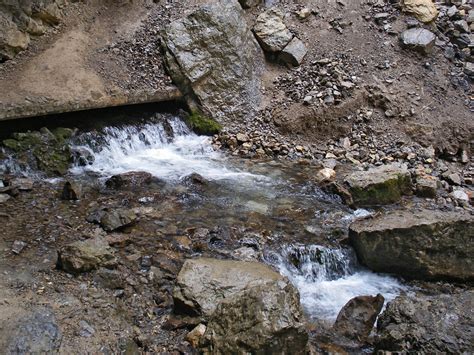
(357, 318)
(417, 244)
(214, 58)
(262, 319)
(438, 324)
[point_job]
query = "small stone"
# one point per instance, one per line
(453, 178)
(271, 31)
(4, 198)
(86, 329)
(418, 39)
(242, 138)
(195, 335)
(294, 53)
(325, 175)
(22, 184)
(18, 246)
(304, 13)
(460, 195)
(423, 10)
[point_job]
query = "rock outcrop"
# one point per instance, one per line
(427, 324)
(264, 319)
(87, 255)
(357, 318)
(20, 20)
(214, 58)
(379, 186)
(203, 283)
(417, 244)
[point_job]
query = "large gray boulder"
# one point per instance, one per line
(417, 244)
(202, 283)
(87, 255)
(264, 319)
(440, 324)
(379, 186)
(37, 333)
(215, 60)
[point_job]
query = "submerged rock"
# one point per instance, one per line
(87, 255)
(428, 324)
(37, 333)
(418, 39)
(421, 244)
(262, 319)
(203, 283)
(357, 318)
(214, 59)
(379, 186)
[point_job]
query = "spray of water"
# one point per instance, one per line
(328, 278)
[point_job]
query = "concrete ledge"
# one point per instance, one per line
(46, 106)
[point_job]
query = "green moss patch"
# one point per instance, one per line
(201, 124)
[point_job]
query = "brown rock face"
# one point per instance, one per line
(421, 244)
(357, 318)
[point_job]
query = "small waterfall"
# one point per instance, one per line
(165, 148)
(328, 278)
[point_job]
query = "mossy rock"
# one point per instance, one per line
(379, 186)
(45, 150)
(201, 124)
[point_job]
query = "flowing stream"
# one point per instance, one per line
(277, 196)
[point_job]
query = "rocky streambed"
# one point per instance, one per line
(141, 237)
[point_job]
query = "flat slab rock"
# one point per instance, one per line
(202, 283)
(379, 186)
(417, 244)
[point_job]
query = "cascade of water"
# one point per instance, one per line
(328, 278)
(167, 149)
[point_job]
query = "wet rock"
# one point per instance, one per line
(203, 282)
(419, 244)
(357, 318)
(71, 191)
(115, 219)
(418, 39)
(195, 335)
(213, 56)
(424, 10)
(18, 246)
(82, 156)
(379, 186)
(265, 318)
(130, 179)
(427, 324)
(37, 333)
(195, 179)
(87, 255)
(294, 53)
(271, 31)
(4, 198)
(22, 184)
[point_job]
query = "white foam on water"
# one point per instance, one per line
(150, 148)
(328, 278)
